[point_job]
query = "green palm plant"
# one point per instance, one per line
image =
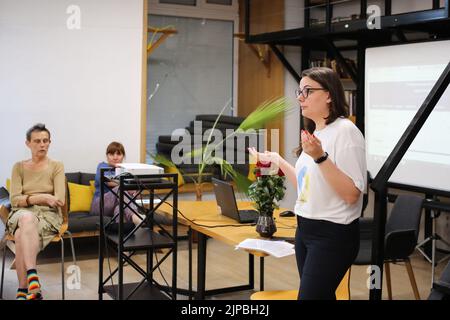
(267, 111)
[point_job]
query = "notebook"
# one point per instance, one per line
(226, 201)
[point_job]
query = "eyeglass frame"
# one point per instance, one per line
(299, 92)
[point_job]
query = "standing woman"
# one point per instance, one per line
(37, 194)
(330, 177)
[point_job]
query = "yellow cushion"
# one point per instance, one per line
(175, 170)
(251, 167)
(251, 176)
(8, 185)
(92, 185)
(80, 197)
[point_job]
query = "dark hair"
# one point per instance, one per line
(38, 127)
(114, 147)
(330, 81)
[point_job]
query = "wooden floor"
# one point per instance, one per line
(225, 267)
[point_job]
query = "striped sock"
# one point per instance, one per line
(21, 294)
(34, 287)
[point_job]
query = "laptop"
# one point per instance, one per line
(226, 201)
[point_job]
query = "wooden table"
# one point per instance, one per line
(204, 217)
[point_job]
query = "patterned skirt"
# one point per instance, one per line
(49, 222)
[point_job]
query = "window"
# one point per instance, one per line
(190, 73)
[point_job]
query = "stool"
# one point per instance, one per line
(342, 292)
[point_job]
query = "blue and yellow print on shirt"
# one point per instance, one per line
(303, 184)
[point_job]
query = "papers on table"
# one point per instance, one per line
(278, 249)
(147, 201)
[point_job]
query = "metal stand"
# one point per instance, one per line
(433, 238)
(140, 238)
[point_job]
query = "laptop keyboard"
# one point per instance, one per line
(248, 215)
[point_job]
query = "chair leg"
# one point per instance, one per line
(412, 279)
(388, 279)
(3, 271)
(63, 285)
(74, 259)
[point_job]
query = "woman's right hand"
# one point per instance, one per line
(265, 157)
(50, 200)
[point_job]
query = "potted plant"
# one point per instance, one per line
(266, 191)
(267, 111)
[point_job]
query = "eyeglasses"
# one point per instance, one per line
(305, 91)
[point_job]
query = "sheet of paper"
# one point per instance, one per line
(147, 201)
(277, 249)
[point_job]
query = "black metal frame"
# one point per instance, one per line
(432, 20)
(201, 291)
(145, 238)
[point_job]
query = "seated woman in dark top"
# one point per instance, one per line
(115, 153)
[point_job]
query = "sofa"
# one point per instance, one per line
(81, 222)
(165, 145)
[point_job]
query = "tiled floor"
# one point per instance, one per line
(225, 267)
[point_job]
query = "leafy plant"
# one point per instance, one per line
(267, 190)
(267, 111)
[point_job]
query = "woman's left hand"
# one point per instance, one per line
(311, 145)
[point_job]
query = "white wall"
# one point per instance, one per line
(85, 84)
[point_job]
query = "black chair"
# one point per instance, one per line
(441, 288)
(402, 230)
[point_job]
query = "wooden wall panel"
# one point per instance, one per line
(255, 84)
(144, 83)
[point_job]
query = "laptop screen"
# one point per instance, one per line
(226, 201)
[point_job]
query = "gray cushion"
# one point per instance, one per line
(73, 177)
(86, 177)
(82, 221)
(4, 198)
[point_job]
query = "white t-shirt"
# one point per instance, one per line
(316, 199)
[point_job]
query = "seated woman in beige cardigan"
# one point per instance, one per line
(37, 195)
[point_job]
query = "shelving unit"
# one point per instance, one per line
(143, 238)
(353, 35)
(323, 59)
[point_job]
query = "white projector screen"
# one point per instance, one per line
(398, 79)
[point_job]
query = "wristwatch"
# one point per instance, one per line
(322, 158)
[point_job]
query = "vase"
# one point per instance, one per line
(265, 226)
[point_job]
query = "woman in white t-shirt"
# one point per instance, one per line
(330, 177)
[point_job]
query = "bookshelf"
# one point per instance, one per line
(322, 59)
(340, 11)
